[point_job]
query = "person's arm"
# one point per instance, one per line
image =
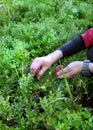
(72, 47)
(77, 44)
(54, 56)
(75, 68)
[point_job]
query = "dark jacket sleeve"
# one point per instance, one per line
(75, 45)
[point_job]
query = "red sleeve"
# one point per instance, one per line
(88, 37)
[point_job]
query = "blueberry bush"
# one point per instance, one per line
(32, 28)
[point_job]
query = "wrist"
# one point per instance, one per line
(54, 56)
(87, 68)
(91, 67)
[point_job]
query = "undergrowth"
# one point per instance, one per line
(31, 28)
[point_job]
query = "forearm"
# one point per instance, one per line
(56, 55)
(72, 47)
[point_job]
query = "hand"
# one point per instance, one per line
(71, 70)
(40, 65)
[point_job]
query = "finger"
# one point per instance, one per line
(59, 67)
(60, 76)
(67, 69)
(58, 73)
(69, 74)
(34, 67)
(41, 72)
(58, 70)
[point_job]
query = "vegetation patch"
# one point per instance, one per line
(29, 29)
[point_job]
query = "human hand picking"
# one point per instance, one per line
(70, 70)
(39, 66)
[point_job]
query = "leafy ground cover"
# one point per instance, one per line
(30, 28)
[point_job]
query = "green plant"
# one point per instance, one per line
(28, 29)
